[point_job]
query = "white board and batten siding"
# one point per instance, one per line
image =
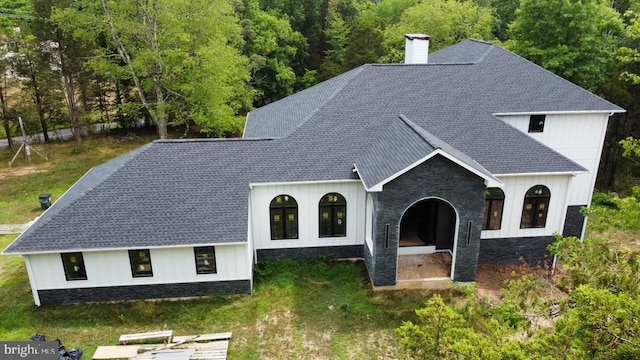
(515, 188)
(308, 196)
(112, 268)
(579, 137)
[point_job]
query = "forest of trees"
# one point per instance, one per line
(201, 65)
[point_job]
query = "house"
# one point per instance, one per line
(472, 151)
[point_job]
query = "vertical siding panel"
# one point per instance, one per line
(579, 137)
(112, 268)
(308, 197)
(515, 188)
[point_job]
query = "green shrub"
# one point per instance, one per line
(607, 200)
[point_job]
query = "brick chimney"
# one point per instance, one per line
(416, 49)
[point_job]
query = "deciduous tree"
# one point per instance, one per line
(183, 57)
(447, 21)
(574, 39)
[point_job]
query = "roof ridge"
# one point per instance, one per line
(482, 41)
(486, 53)
(357, 72)
(420, 131)
(438, 143)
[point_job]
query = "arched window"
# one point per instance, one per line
(284, 217)
(536, 206)
(333, 215)
(493, 205)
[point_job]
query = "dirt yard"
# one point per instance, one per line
(493, 277)
(18, 171)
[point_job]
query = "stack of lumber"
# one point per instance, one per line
(186, 347)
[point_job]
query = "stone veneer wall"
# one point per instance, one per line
(573, 221)
(505, 251)
(338, 252)
(439, 178)
(143, 292)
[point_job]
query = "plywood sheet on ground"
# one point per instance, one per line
(155, 335)
(116, 352)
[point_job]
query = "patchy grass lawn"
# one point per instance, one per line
(21, 184)
(315, 310)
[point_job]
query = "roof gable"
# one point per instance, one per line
(402, 147)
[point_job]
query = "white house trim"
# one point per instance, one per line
(569, 112)
(313, 182)
(565, 173)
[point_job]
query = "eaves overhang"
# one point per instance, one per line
(118, 248)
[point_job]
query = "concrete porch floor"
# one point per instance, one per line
(425, 271)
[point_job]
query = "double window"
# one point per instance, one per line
(205, 260)
(73, 264)
(333, 215)
(284, 217)
(536, 206)
(140, 263)
(493, 206)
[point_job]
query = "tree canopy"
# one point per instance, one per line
(574, 39)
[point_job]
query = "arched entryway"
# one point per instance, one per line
(430, 223)
(427, 239)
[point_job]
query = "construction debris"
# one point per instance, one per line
(187, 347)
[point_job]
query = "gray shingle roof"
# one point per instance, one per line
(167, 193)
(403, 145)
(468, 52)
(282, 117)
(172, 193)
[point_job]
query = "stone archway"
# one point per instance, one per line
(429, 226)
(427, 240)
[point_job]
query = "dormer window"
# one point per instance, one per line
(536, 123)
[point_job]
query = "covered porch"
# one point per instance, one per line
(422, 271)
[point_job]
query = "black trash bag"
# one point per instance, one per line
(62, 351)
(38, 337)
(63, 354)
(74, 354)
